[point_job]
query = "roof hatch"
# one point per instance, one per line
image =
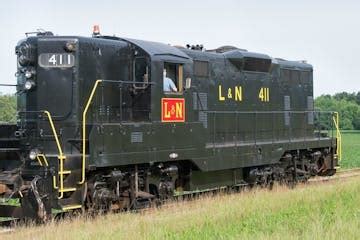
(249, 61)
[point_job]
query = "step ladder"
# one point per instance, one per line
(66, 183)
(69, 192)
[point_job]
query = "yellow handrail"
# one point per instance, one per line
(84, 130)
(54, 132)
(61, 156)
(338, 135)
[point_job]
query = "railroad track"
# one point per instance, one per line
(5, 226)
(340, 174)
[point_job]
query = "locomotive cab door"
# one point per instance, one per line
(179, 136)
(173, 99)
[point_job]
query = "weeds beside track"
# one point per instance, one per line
(317, 211)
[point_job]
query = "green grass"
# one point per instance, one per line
(11, 202)
(351, 149)
(322, 211)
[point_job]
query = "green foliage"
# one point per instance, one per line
(7, 108)
(350, 149)
(348, 106)
(351, 97)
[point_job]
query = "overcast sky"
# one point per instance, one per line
(325, 33)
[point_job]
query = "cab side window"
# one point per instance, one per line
(172, 78)
(138, 105)
(141, 73)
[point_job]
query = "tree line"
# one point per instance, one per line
(347, 104)
(7, 108)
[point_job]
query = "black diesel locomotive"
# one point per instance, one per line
(115, 123)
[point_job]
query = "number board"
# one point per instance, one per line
(56, 60)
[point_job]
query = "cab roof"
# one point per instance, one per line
(156, 48)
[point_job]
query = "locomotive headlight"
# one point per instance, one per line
(33, 154)
(29, 84)
(28, 74)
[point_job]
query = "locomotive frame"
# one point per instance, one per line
(237, 118)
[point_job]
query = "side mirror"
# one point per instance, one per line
(188, 83)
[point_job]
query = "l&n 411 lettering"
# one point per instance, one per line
(236, 93)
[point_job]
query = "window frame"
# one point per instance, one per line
(179, 77)
(145, 84)
(207, 68)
